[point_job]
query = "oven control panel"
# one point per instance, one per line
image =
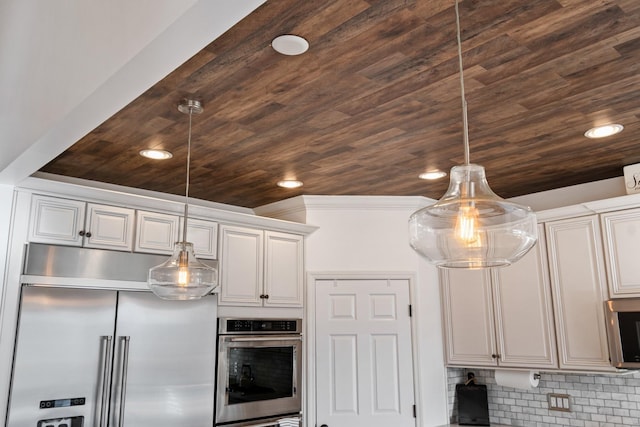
(260, 326)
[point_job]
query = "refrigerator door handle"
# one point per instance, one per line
(123, 377)
(105, 375)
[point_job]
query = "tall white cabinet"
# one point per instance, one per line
(579, 285)
(501, 316)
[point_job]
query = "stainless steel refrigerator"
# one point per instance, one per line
(101, 358)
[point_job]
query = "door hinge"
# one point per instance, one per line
(410, 311)
(414, 411)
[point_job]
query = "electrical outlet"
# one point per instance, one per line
(559, 402)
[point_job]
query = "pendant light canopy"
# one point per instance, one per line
(471, 226)
(183, 277)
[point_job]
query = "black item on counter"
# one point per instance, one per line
(473, 405)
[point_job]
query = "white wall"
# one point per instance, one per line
(370, 234)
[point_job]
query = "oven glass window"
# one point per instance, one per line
(630, 335)
(260, 373)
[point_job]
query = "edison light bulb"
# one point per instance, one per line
(183, 276)
(467, 225)
(183, 269)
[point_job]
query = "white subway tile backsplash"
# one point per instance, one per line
(597, 400)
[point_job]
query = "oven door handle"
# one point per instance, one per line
(270, 424)
(268, 338)
(275, 423)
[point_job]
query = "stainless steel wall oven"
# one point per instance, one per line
(259, 371)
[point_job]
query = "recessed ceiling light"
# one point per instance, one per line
(289, 183)
(605, 130)
(431, 175)
(289, 44)
(156, 154)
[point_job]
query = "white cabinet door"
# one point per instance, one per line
(157, 233)
(241, 266)
(204, 236)
(578, 283)
(621, 233)
(470, 338)
(523, 311)
(283, 269)
(109, 227)
(55, 220)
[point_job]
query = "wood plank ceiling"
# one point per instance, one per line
(376, 101)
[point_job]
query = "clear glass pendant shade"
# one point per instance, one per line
(471, 226)
(183, 277)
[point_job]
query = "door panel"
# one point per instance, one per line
(283, 269)
(579, 286)
(468, 317)
(171, 359)
(344, 378)
(55, 220)
(364, 359)
(523, 309)
(109, 227)
(60, 353)
(241, 266)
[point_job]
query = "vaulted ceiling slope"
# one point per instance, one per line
(376, 101)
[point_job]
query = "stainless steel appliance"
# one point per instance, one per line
(92, 358)
(259, 371)
(623, 332)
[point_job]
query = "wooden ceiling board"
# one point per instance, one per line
(376, 101)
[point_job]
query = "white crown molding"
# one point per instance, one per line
(134, 198)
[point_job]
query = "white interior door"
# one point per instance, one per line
(364, 368)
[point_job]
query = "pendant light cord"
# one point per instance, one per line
(465, 124)
(186, 192)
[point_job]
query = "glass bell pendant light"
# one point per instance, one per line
(471, 226)
(183, 277)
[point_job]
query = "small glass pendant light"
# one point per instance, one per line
(183, 277)
(471, 226)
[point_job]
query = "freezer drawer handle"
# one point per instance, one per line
(105, 373)
(123, 377)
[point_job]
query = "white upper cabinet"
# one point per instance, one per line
(470, 337)
(621, 234)
(578, 282)
(284, 269)
(157, 233)
(241, 266)
(500, 316)
(244, 279)
(524, 311)
(71, 222)
(204, 236)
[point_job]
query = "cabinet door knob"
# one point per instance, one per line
(494, 356)
(88, 234)
(266, 297)
(81, 232)
(262, 296)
